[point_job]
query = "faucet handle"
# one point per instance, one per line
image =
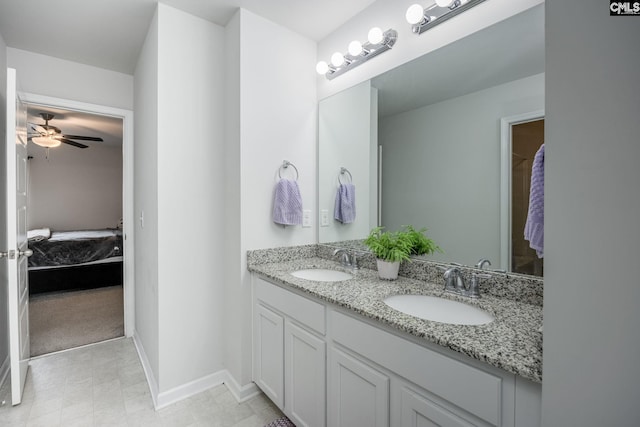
(452, 279)
(474, 288)
(354, 261)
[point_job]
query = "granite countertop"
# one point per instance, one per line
(511, 342)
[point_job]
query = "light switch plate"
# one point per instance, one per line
(306, 218)
(324, 218)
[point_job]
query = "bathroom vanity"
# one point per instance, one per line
(333, 353)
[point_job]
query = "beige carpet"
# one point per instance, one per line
(70, 319)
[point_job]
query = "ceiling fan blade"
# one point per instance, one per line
(38, 128)
(70, 142)
(83, 138)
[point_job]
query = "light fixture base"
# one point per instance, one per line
(456, 8)
(368, 51)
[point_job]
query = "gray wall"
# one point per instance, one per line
(591, 362)
(441, 168)
(75, 189)
(4, 319)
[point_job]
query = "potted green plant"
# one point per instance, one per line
(390, 248)
(420, 243)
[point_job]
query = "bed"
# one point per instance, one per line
(70, 260)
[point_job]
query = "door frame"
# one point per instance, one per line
(506, 123)
(127, 188)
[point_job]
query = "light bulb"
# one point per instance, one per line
(375, 35)
(322, 67)
(337, 59)
(355, 48)
(444, 3)
(414, 14)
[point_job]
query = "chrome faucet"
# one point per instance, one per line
(482, 262)
(347, 259)
(454, 283)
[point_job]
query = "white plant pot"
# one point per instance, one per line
(388, 270)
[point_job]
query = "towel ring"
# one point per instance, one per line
(342, 172)
(285, 165)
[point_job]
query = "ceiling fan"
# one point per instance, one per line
(49, 136)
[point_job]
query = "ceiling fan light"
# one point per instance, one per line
(46, 142)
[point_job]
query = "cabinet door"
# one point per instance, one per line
(418, 411)
(269, 354)
(304, 363)
(358, 394)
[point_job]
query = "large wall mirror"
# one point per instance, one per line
(425, 144)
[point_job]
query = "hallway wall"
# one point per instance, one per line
(4, 309)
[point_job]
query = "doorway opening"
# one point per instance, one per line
(521, 137)
(125, 120)
(74, 218)
(526, 139)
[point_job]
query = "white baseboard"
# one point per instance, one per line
(166, 398)
(146, 366)
(4, 370)
(241, 393)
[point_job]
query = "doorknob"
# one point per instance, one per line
(12, 254)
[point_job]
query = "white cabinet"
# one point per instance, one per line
(416, 410)
(323, 365)
(305, 376)
(358, 393)
(269, 353)
(289, 356)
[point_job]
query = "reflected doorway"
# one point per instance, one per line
(526, 139)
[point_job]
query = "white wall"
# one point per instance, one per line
(441, 168)
(75, 189)
(592, 206)
(391, 14)
(4, 319)
(46, 75)
(276, 121)
(235, 342)
(346, 132)
(191, 251)
(146, 201)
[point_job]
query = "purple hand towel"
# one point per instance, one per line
(287, 203)
(345, 207)
(534, 227)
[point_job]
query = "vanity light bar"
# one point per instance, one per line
(423, 19)
(358, 53)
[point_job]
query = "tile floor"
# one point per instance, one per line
(104, 385)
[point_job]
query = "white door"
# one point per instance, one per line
(17, 251)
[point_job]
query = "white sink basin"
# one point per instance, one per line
(322, 275)
(439, 309)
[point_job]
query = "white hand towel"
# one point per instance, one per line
(287, 203)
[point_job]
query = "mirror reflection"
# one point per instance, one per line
(424, 145)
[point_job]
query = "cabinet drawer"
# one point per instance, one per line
(301, 309)
(418, 411)
(472, 389)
